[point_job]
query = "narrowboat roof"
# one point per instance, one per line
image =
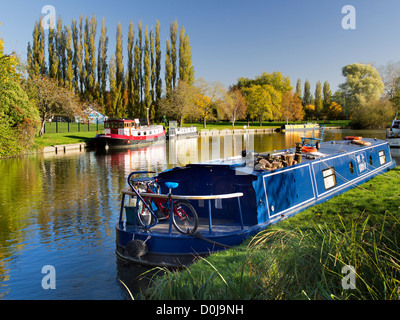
(328, 149)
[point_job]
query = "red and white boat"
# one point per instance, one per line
(125, 133)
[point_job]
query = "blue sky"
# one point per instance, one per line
(232, 39)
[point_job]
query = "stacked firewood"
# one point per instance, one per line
(274, 162)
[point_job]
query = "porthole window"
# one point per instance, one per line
(351, 167)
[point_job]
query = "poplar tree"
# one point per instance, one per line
(168, 70)
(114, 92)
(152, 73)
(136, 80)
(186, 69)
(60, 45)
(77, 56)
(102, 63)
(69, 76)
(173, 51)
(327, 97)
(80, 56)
(307, 94)
(318, 99)
(92, 73)
(119, 76)
(38, 56)
(158, 63)
(147, 70)
(86, 44)
(298, 88)
(130, 72)
(139, 51)
(53, 55)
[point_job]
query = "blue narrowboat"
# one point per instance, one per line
(238, 197)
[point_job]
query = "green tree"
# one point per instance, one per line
(119, 77)
(130, 72)
(60, 47)
(327, 98)
(186, 69)
(18, 117)
(173, 50)
(168, 70)
(102, 64)
(93, 63)
(307, 94)
(147, 70)
(298, 88)
(53, 54)
(158, 67)
(318, 103)
(259, 103)
(363, 83)
(69, 76)
(77, 59)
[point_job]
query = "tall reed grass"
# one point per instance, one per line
(303, 257)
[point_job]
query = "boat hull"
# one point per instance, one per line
(268, 197)
(103, 141)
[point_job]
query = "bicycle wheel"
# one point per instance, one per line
(185, 217)
(145, 217)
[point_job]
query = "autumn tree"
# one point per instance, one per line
(180, 102)
(211, 94)
(292, 108)
(51, 99)
(234, 105)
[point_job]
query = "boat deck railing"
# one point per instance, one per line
(238, 195)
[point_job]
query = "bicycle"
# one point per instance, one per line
(184, 218)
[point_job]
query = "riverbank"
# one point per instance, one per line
(307, 256)
(78, 138)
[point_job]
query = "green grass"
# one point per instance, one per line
(302, 257)
(52, 139)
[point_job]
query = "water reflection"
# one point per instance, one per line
(61, 210)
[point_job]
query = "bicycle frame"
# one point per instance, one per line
(158, 202)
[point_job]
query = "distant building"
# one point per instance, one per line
(93, 116)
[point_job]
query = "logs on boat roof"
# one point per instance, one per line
(271, 162)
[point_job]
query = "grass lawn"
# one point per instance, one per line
(52, 139)
(302, 257)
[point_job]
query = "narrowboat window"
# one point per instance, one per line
(121, 125)
(138, 133)
(351, 166)
(106, 125)
(382, 157)
(329, 178)
(370, 160)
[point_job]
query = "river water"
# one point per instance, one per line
(60, 211)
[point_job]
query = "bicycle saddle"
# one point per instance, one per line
(172, 185)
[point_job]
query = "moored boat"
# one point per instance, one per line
(236, 198)
(125, 133)
(393, 133)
